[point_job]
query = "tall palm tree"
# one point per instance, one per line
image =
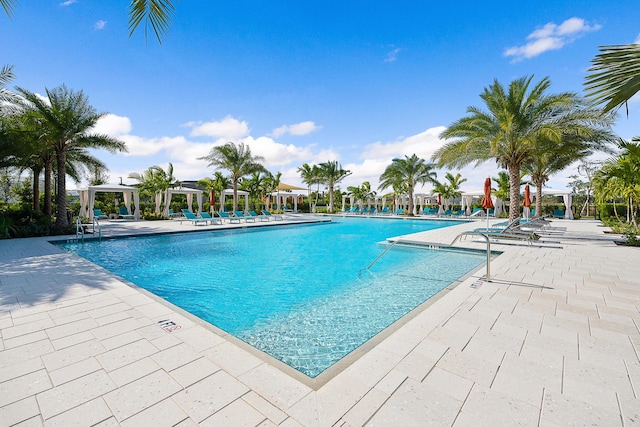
(615, 76)
(361, 193)
(8, 99)
(331, 173)
(311, 175)
(502, 185)
(156, 14)
(411, 170)
(154, 181)
(238, 160)
(516, 120)
(66, 119)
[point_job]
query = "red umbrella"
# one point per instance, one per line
(212, 200)
(486, 201)
(527, 200)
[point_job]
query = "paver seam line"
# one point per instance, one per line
(464, 402)
(435, 364)
(504, 354)
(514, 307)
(634, 348)
(213, 413)
(578, 344)
(385, 401)
(526, 334)
(562, 375)
(470, 338)
(633, 389)
(457, 310)
(620, 409)
(636, 324)
(541, 406)
(589, 326)
(495, 321)
(541, 323)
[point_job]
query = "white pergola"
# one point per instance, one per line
(88, 198)
(467, 200)
(566, 198)
(282, 196)
(188, 191)
(229, 192)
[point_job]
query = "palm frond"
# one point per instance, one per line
(615, 76)
(157, 14)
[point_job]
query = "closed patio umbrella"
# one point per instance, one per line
(212, 200)
(526, 212)
(486, 201)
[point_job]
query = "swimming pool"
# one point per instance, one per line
(295, 292)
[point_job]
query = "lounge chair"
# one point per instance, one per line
(241, 215)
(384, 211)
(190, 216)
(124, 213)
(270, 215)
(399, 212)
(229, 218)
(205, 215)
(173, 214)
(430, 211)
(477, 212)
(260, 217)
(458, 213)
(558, 213)
(448, 212)
(97, 214)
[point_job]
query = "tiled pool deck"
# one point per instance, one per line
(552, 341)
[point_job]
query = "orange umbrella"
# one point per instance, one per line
(486, 201)
(527, 201)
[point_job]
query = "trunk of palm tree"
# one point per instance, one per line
(36, 187)
(331, 198)
(539, 185)
(410, 191)
(514, 182)
(235, 195)
(48, 167)
(61, 197)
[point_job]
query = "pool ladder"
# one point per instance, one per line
(80, 229)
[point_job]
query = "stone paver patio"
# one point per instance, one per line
(551, 341)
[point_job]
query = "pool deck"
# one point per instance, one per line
(551, 341)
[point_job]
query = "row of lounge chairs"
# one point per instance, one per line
(123, 213)
(234, 217)
(520, 229)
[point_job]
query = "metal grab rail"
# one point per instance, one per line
(476, 233)
(96, 224)
(79, 229)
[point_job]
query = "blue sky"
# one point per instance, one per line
(360, 82)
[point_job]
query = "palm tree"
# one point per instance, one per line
(154, 181)
(8, 99)
(238, 160)
(502, 185)
(66, 120)
(411, 170)
(620, 177)
(311, 175)
(331, 173)
(517, 119)
(156, 14)
(361, 193)
(615, 76)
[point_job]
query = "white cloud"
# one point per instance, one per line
(68, 3)
(113, 125)
(392, 56)
(637, 41)
(228, 128)
(100, 25)
(551, 36)
(422, 145)
(298, 129)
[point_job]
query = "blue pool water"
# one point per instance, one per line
(294, 292)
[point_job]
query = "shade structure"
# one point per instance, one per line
(287, 187)
(183, 190)
(88, 195)
(526, 203)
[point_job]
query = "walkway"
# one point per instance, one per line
(552, 341)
